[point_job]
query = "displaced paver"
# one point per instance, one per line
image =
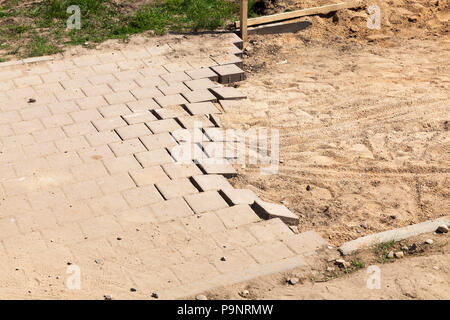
(95, 170)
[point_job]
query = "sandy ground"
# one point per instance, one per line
(364, 126)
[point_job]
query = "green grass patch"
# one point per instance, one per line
(32, 29)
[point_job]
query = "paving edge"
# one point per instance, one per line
(234, 277)
(393, 235)
(26, 61)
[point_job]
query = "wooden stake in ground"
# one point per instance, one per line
(298, 13)
(243, 22)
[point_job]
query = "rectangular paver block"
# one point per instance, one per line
(122, 164)
(171, 209)
(143, 196)
(133, 131)
(237, 215)
(228, 93)
(270, 252)
(202, 108)
(229, 73)
(171, 100)
(268, 210)
(225, 169)
(176, 188)
(166, 125)
(127, 147)
(211, 182)
(238, 196)
(305, 243)
(143, 105)
(154, 158)
(200, 84)
(148, 176)
(206, 201)
(171, 112)
(158, 141)
(109, 123)
(228, 59)
(139, 117)
(200, 95)
(173, 88)
(203, 73)
(181, 170)
(269, 230)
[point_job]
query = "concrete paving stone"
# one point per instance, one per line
(237, 215)
(27, 126)
(170, 112)
(88, 171)
(269, 230)
(171, 209)
(86, 115)
(64, 160)
(72, 83)
(227, 93)
(206, 201)
(72, 211)
(164, 279)
(270, 252)
(180, 170)
(95, 153)
(173, 88)
(9, 117)
(153, 71)
(227, 59)
(106, 124)
(225, 169)
(127, 75)
(143, 196)
(114, 110)
(91, 102)
(130, 65)
(221, 135)
(175, 77)
(69, 94)
(127, 147)
(37, 150)
(82, 190)
(148, 176)
(98, 90)
(158, 141)
(88, 60)
(171, 100)
(203, 73)
(229, 73)
(177, 67)
(161, 126)
(202, 108)
(110, 204)
(234, 50)
(71, 144)
(201, 227)
(119, 97)
(143, 105)
(186, 152)
(26, 244)
(213, 182)
(67, 234)
(54, 76)
(109, 67)
(115, 183)
(63, 107)
(268, 210)
(79, 129)
(238, 196)
(150, 81)
(101, 138)
(47, 135)
(139, 117)
(133, 131)
(81, 73)
(143, 93)
(196, 121)
(35, 112)
(305, 243)
(199, 96)
(36, 221)
(121, 164)
(99, 227)
(123, 85)
(102, 79)
(5, 130)
(176, 188)
(236, 260)
(199, 84)
(234, 238)
(189, 135)
(21, 93)
(30, 167)
(135, 54)
(154, 158)
(194, 271)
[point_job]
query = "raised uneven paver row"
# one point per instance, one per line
(98, 169)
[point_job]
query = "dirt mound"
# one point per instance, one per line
(399, 19)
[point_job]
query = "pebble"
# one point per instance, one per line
(223, 259)
(155, 295)
(330, 269)
(133, 289)
(201, 297)
(308, 187)
(429, 241)
(436, 268)
(442, 229)
(31, 100)
(405, 248)
(364, 225)
(107, 297)
(97, 261)
(393, 216)
(293, 281)
(390, 255)
(342, 263)
(284, 202)
(245, 293)
(399, 254)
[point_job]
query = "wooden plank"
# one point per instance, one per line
(243, 23)
(301, 13)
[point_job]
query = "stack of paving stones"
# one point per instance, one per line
(89, 176)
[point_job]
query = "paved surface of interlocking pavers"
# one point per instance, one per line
(89, 178)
